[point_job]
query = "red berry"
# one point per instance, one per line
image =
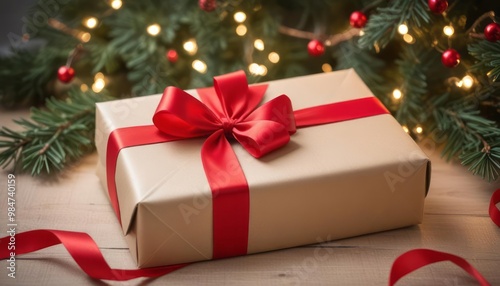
(315, 48)
(492, 32)
(65, 74)
(207, 5)
(172, 56)
(450, 58)
(358, 19)
(438, 6)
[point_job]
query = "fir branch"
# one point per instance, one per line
(414, 64)
(488, 56)
(383, 24)
(25, 75)
(471, 137)
(54, 137)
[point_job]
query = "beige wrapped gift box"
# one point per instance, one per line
(330, 181)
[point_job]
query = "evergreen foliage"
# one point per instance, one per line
(464, 119)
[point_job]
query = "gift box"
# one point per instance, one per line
(329, 180)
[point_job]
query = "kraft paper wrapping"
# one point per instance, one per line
(331, 181)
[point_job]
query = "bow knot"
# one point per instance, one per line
(231, 107)
(227, 126)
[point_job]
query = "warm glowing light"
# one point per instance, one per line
(361, 33)
(240, 17)
(241, 30)
(262, 70)
(90, 23)
(154, 29)
(406, 129)
(326, 67)
(419, 130)
(403, 29)
(408, 38)
(116, 4)
(190, 46)
(448, 31)
(259, 44)
(257, 69)
(467, 81)
(273, 57)
(199, 66)
(396, 93)
(98, 75)
(253, 68)
(84, 87)
(84, 37)
(98, 85)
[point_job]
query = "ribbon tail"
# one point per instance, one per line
(493, 210)
(418, 258)
(230, 197)
(84, 251)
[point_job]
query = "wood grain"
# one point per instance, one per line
(455, 221)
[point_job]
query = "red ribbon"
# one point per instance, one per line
(84, 251)
(493, 210)
(418, 258)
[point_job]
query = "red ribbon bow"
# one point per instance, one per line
(228, 110)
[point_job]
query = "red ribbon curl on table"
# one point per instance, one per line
(418, 258)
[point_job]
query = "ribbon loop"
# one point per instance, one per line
(181, 115)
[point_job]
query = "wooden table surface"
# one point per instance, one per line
(455, 221)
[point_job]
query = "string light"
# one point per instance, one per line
(90, 23)
(257, 69)
(190, 46)
(253, 68)
(326, 67)
(84, 87)
(405, 128)
(448, 30)
(116, 4)
(273, 57)
(153, 29)
(408, 39)
(396, 93)
(259, 44)
(199, 66)
(419, 129)
(467, 81)
(99, 75)
(403, 29)
(241, 30)
(99, 82)
(361, 33)
(240, 17)
(262, 70)
(84, 36)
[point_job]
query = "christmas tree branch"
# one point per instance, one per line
(330, 40)
(55, 136)
(472, 137)
(383, 24)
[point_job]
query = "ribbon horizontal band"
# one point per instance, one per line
(84, 251)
